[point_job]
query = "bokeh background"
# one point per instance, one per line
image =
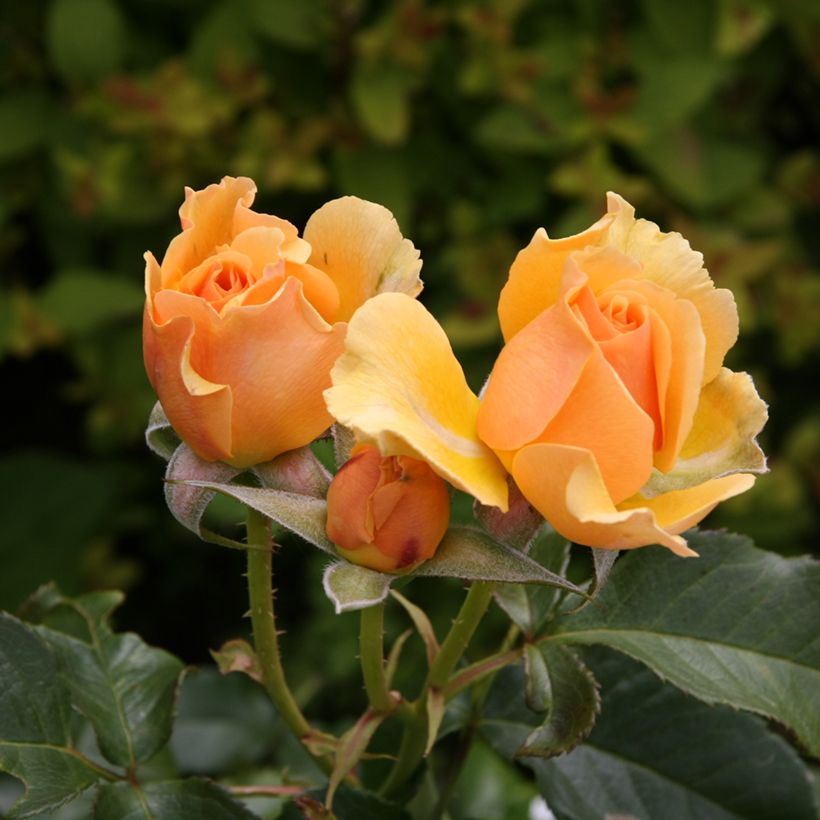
(476, 123)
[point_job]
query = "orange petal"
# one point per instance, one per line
(535, 276)
(207, 222)
(602, 417)
(669, 261)
(679, 348)
(293, 248)
(565, 485)
(199, 410)
(532, 378)
(277, 357)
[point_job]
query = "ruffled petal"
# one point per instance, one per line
(532, 378)
(399, 385)
(565, 485)
(358, 244)
(207, 222)
(602, 417)
(535, 276)
(669, 261)
(198, 409)
(722, 439)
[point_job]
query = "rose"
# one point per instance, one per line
(388, 514)
(244, 319)
(608, 405)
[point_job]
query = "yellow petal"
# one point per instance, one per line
(565, 485)
(535, 276)
(669, 261)
(359, 245)
(676, 511)
(399, 385)
(729, 416)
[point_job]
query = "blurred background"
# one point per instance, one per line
(476, 123)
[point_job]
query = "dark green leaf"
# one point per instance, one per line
(85, 38)
(380, 97)
(350, 804)
(529, 606)
(36, 743)
(728, 627)
(704, 172)
(123, 686)
(45, 531)
(23, 120)
(683, 28)
(301, 514)
(655, 752)
(296, 23)
(79, 301)
(175, 800)
(472, 555)
(223, 723)
(571, 699)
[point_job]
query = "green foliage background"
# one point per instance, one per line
(476, 123)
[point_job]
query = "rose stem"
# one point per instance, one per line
(263, 621)
(371, 653)
(414, 739)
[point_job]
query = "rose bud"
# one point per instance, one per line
(244, 319)
(388, 514)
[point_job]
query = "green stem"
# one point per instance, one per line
(465, 624)
(371, 652)
(263, 620)
(414, 739)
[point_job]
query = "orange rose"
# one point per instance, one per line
(609, 404)
(244, 319)
(388, 514)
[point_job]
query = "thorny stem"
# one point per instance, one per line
(265, 637)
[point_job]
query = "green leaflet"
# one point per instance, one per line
(729, 627)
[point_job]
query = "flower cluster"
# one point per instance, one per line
(609, 406)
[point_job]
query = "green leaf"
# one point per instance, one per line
(160, 437)
(124, 687)
(223, 724)
(422, 623)
(302, 514)
(529, 606)
(732, 626)
(79, 301)
(23, 123)
(36, 743)
(656, 752)
(489, 788)
(351, 587)
(683, 28)
(174, 800)
(704, 172)
(86, 38)
(51, 508)
(470, 554)
(295, 23)
(188, 495)
(352, 745)
(572, 703)
(348, 804)
(380, 97)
